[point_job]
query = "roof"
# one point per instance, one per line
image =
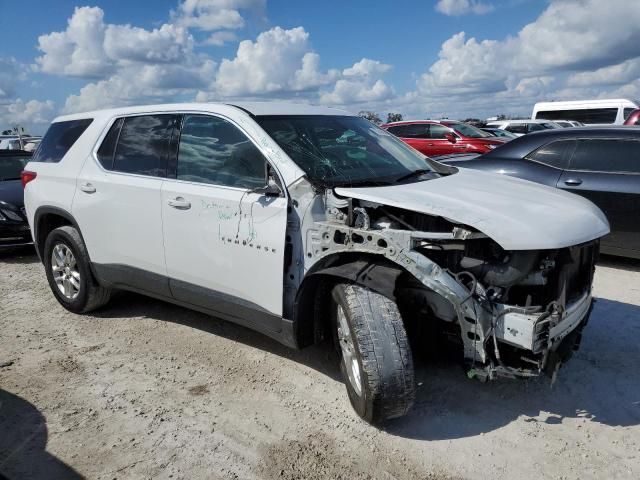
(518, 120)
(409, 122)
(253, 108)
(521, 146)
(577, 103)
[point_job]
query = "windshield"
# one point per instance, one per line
(11, 167)
(342, 150)
(468, 130)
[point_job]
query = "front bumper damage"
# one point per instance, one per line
(498, 339)
(544, 340)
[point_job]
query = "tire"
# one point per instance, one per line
(78, 292)
(385, 387)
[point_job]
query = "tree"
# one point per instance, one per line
(371, 116)
(394, 117)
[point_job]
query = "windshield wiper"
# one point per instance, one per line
(415, 173)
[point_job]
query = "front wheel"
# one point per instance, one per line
(376, 360)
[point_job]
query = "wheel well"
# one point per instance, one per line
(45, 223)
(313, 298)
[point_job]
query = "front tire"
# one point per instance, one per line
(67, 266)
(376, 359)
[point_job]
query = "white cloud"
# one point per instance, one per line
(79, 50)
(210, 15)
(279, 61)
(349, 92)
(167, 44)
(462, 7)
(11, 73)
(218, 39)
(32, 112)
(574, 49)
(366, 67)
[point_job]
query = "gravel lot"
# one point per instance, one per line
(144, 389)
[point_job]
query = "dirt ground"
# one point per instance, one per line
(143, 389)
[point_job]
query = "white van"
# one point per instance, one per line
(589, 112)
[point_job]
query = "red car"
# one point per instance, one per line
(443, 137)
(633, 118)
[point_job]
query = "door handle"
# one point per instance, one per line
(573, 182)
(430, 144)
(179, 203)
(87, 188)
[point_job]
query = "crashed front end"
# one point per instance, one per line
(516, 313)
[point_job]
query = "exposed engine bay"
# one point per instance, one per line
(515, 313)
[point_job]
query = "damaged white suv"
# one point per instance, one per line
(308, 223)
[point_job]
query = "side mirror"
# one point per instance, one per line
(270, 190)
(451, 137)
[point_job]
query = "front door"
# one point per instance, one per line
(224, 244)
(607, 172)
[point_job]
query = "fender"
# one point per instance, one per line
(37, 218)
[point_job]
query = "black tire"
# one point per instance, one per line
(90, 295)
(381, 349)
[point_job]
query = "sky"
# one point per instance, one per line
(421, 58)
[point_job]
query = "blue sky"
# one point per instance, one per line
(426, 58)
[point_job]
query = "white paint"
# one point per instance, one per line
(517, 214)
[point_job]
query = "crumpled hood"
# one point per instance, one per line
(517, 214)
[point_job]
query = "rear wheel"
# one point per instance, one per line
(376, 360)
(69, 274)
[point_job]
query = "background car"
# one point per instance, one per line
(568, 123)
(432, 137)
(14, 230)
(599, 163)
(498, 132)
(633, 118)
(522, 127)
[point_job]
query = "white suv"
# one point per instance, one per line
(307, 223)
(522, 127)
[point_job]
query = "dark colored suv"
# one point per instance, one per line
(443, 137)
(599, 163)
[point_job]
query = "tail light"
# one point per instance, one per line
(26, 176)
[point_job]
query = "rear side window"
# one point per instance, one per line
(414, 130)
(108, 147)
(583, 115)
(555, 154)
(607, 155)
(517, 128)
(627, 112)
(143, 145)
(59, 139)
(215, 151)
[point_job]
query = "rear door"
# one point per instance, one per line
(118, 203)
(607, 172)
(224, 243)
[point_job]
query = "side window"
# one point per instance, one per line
(143, 145)
(627, 112)
(215, 151)
(607, 155)
(438, 131)
(555, 154)
(535, 127)
(517, 128)
(411, 130)
(59, 138)
(108, 146)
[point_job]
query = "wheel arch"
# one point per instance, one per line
(371, 271)
(47, 219)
